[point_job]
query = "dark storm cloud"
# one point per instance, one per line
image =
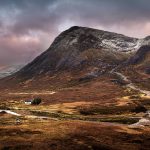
(106, 12)
(48, 14)
(28, 26)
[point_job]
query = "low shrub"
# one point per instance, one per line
(36, 101)
(106, 110)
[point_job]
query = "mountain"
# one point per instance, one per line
(83, 53)
(81, 46)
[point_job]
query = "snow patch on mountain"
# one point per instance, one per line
(122, 45)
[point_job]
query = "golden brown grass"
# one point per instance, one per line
(86, 132)
(68, 135)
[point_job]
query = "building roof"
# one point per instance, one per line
(28, 100)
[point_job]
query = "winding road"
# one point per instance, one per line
(10, 112)
(130, 84)
(144, 121)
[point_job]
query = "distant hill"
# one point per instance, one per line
(9, 70)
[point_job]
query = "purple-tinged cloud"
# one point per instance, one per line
(27, 27)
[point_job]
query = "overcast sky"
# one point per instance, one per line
(27, 27)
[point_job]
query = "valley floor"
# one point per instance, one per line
(96, 115)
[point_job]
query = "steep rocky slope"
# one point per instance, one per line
(142, 56)
(140, 60)
(137, 67)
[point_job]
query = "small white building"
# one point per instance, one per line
(28, 102)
